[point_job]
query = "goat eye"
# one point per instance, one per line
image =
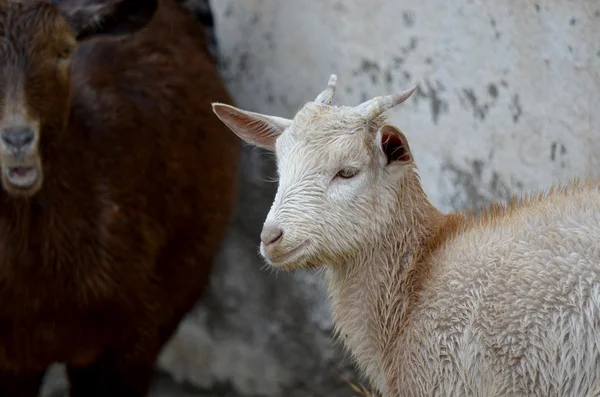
(347, 173)
(64, 53)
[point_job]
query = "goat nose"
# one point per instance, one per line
(17, 138)
(270, 235)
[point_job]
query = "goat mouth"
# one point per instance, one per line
(22, 177)
(279, 260)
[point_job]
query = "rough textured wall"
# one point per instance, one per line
(507, 89)
(508, 102)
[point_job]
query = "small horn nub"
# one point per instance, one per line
(376, 106)
(326, 97)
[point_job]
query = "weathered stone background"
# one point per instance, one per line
(508, 102)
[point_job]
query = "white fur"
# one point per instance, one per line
(510, 308)
(432, 304)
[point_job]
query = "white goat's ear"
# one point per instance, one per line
(255, 128)
(393, 145)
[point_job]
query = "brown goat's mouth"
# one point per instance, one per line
(22, 179)
(21, 176)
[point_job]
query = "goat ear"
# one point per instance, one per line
(254, 128)
(92, 18)
(393, 145)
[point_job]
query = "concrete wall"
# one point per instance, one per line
(508, 90)
(508, 102)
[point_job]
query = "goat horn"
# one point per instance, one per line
(376, 106)
(326, 97)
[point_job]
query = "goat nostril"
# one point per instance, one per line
(18, 138)
(271, 235)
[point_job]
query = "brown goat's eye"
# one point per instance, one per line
(347, 173)
(64, 53)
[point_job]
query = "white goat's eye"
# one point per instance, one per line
(347, 173)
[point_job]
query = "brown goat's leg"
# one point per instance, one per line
(111, 376)
(27, 385)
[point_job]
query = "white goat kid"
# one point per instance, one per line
(430, 304)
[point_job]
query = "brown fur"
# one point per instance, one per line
(100, 262)
(498, 210)
(444, 227)
(456, 223)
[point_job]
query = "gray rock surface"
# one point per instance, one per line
(508, 102)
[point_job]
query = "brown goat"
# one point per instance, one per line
(117, 186)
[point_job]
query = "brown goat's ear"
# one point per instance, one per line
(92, 18)
(393, 145)
(254, 128)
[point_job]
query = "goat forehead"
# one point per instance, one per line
(296, 155)
(304, 157)
(321, 131)
(30, 24)
(325, 122)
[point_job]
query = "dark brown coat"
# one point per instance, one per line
(103, 254)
